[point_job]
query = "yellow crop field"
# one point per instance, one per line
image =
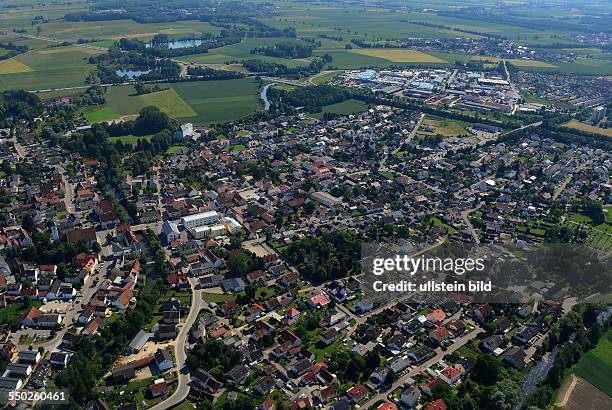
(399, 55)
(12, 66)
(519, 62)
(581, 126)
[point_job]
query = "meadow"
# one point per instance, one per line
(100, 115)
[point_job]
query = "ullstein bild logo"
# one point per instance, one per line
(410, 265)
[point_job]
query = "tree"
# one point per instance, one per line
(150, 121)
(486, 370)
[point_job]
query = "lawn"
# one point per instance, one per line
(217, 297)
(581, 126)
(237, 148)
(175, 149)
(130, 139)
(320, 351)
(398, 55)
(183, 297)
(343, 108)
(264, 293)
(596, 365)
(101, 115)
(11, 313)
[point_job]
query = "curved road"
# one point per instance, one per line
(182, 390)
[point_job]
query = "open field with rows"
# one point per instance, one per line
(47, 68)
(201, 102)
(596, 365)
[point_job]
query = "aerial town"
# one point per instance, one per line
(150, 261)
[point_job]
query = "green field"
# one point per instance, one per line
(101, 115)
(123, 101)
(596, 365)
(130, 139)
(242, 51)
(343, 108)
(432, 125)
(237, 148)
(50, 68)
(115, 29)
(219, 101)
(202, 102)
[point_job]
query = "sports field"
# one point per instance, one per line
(581, 126)
(398, 55)
(596, 365)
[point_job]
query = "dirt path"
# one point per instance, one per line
(566, 391)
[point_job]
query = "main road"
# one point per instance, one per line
(183, 379)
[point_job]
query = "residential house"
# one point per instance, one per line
(163, 359)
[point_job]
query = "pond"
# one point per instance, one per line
(178, 44)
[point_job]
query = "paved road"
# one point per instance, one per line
(180, 354)
(465, 215)
(322, 73)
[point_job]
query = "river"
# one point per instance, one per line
(264, 96)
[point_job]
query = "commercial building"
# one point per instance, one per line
(200, 219)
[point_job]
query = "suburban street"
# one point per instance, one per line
(183, 377)
(439, 355)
